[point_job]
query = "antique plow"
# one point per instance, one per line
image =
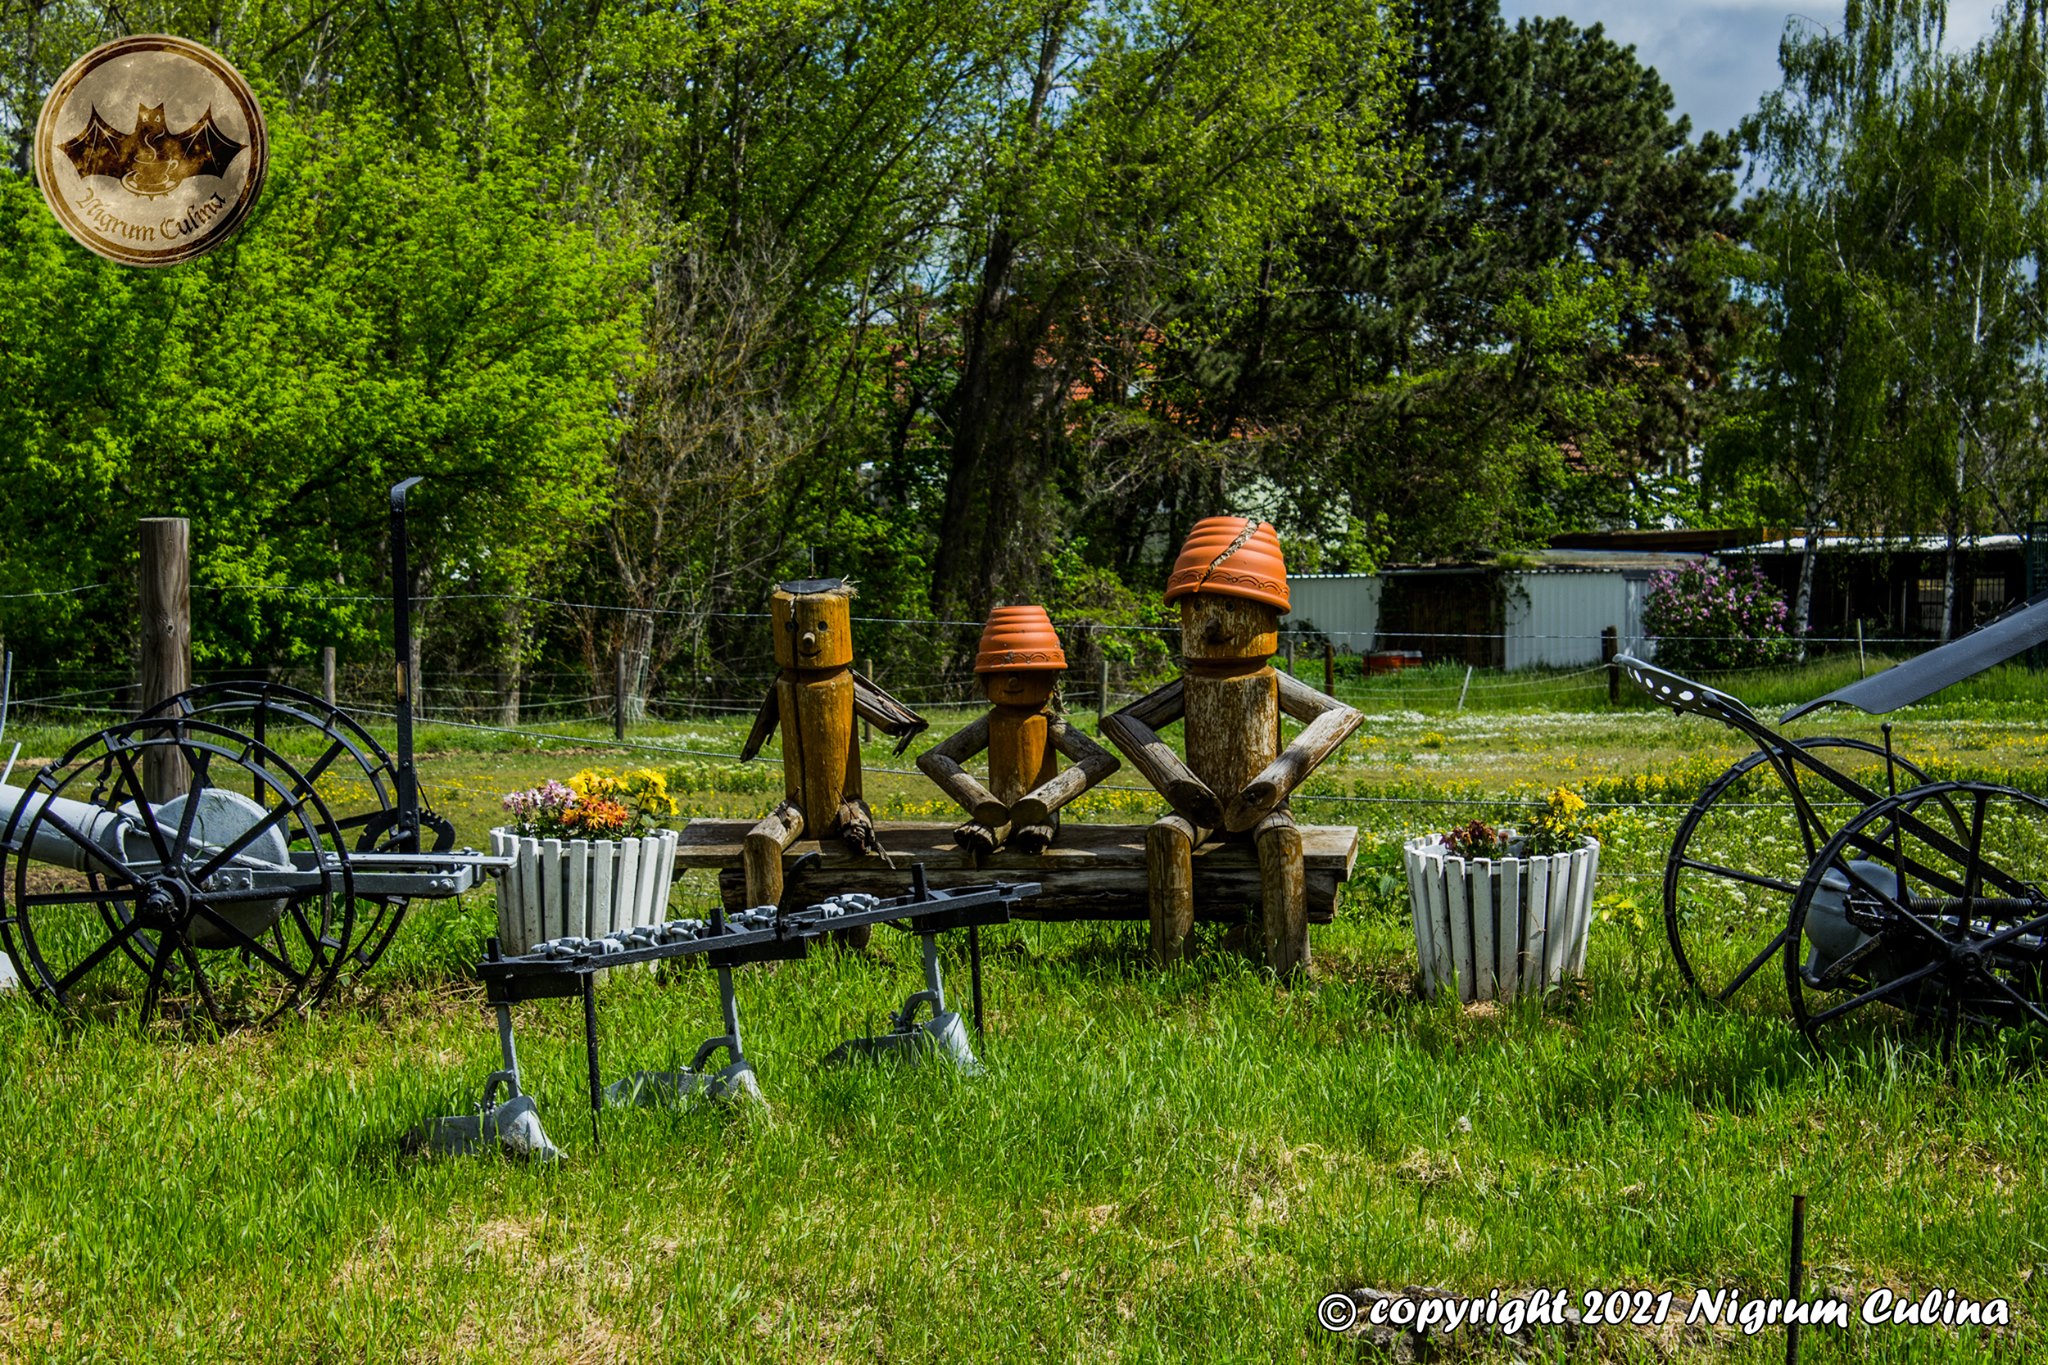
(1902, 898)
(568, 968)
(183, 852)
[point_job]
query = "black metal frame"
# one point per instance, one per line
(1939, 925)
(550, 972)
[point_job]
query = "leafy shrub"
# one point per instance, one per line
(1708, 616)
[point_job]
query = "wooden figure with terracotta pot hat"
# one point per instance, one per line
(1019, 664)
(815, 700)
(1231, 583)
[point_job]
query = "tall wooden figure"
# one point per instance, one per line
(1019, 664)
(1231, 583)
(814, 701)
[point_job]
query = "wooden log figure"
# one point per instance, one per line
(1019, 664)
(1231, 583)
(815, 700)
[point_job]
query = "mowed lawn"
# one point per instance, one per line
(1157, 1165)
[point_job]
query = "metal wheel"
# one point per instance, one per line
(342, 761)
(221, 904)
(1740, 852)
(1916, 912)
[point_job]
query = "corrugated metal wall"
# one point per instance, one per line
(1345, 607)
(1554, 619)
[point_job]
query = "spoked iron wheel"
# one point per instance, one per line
(1739, 853)
(1914, 913)
(109, 900)
(339, 759)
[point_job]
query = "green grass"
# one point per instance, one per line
(1159, 1165)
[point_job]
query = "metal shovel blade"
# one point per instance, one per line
(678, 1088)
(945, 1036)
(512, 1128)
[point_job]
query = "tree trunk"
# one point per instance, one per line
(1003, 417)
(511, 665)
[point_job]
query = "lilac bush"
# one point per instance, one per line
(1706, 616)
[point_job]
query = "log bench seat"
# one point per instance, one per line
(1091, 872)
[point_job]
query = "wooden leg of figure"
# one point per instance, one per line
(1031, 838)
(1284, 893)
(1170, 886)
(761, 854)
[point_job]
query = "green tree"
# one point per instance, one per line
(451, 323)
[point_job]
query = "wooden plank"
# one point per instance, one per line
(1585, 930)
(1483, 971)
(626, 885)
(578, 921)
(1455, 882)
(1509, 941)
(1092, 872)
(1535, 923)
(713, 844)
(1418, 906)
(1440, 927)
(1559, 919)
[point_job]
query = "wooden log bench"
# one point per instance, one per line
(1091, 872)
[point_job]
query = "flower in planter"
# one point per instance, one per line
(593, 805)
(1561, 826)
(1477, 839)
(541, 812)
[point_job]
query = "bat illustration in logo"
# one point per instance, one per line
(151, 160)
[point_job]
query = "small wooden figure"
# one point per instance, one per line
(1019, 664)
(814, 701)
(1231, 583)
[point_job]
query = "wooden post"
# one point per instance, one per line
(1101, 688)
(327, 673)
(1290, 656)
(619, 696)
(1329, 669)
(1283, 894)
(867, 734)
(166, 663)
(1610, 645)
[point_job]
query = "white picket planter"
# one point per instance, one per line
(585, 887)
(1497, 928)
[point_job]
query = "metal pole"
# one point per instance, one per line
(405, 834)
(590, 1052)
(1466, 688)
(1610, 647)
(1796, 1275)
(1101, 688)
(327, 673)
(867, 735)
(166, 662)
(1290, 656)
(1862, 666)
(1329, 669)
(619, 696)
(974, 973)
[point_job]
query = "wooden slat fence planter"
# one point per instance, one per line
(1499, 928)
(585, 887)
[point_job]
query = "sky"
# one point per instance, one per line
(1719, 56)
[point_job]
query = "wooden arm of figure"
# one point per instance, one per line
(941, 763)
(765, 721)
(1131, 731)
(1330, 723)
(1091, 763)
(886, 714)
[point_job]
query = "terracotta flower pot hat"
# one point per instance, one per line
(1019, 640)
(1235, 556)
